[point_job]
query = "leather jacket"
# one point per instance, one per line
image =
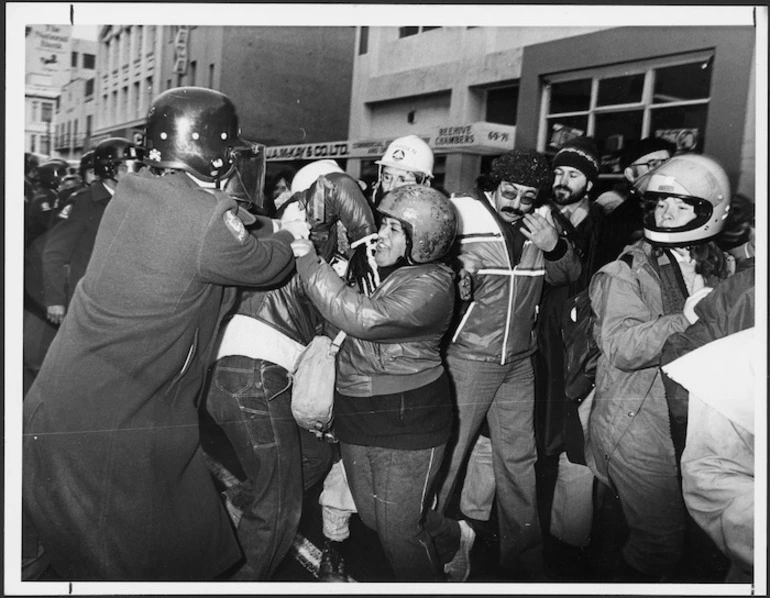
(393, 336)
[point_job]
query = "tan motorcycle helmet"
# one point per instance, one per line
(696, 179)
(428, 217)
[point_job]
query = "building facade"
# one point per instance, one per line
(289, 84)
(475, 92)
(74, 120)
(47, 70)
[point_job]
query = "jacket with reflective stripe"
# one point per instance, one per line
(498, 324)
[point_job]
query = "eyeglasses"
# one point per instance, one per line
(510, 194)
(650, 164)
(399, 179)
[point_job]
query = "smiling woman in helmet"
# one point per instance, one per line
(640, 300)
(393, 407)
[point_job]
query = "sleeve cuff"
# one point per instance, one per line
(557, 252)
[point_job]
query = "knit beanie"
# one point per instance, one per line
(522, 167)
(648, 145)
(580, 153)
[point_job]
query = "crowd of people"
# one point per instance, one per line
(167, 282)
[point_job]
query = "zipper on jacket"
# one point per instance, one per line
(463, 321)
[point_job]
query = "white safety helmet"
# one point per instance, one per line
(698, 180)
(308, 174)
(409, 153)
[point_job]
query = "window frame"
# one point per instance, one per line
(647, 67)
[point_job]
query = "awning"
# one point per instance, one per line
(481, 138)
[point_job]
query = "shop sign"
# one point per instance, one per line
(478, 137)
(371, 148)
(47, 56)
(180, 49)
(308, 151)
(685, 139)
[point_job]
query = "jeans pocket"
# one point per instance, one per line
(233, 380)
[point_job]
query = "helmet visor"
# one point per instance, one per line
(703, 211)
(247, 181)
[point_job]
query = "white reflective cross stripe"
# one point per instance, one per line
(491, 238)
(462, 323)
(504, 272)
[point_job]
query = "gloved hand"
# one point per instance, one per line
(301, 247)
(692, 301)
(55, 313)
(362, 273)
(465, 285)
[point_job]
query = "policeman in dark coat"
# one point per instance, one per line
(113, 476)
(71, 241)
(45, 203)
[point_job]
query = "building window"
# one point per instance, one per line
(211, 76)
(168, 83)
(501, 105)
(35, 111)
(32, 143)
(74, 60)
(407, 31)
(45, 144)
(124, 104)
(149, 92)
(89, 124)
(363, 41)
(89, 88)
(136, 100)
(46, 112)
(620, 104)
(193, 71)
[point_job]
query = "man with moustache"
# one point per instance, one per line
(508, 247)
(575, 170)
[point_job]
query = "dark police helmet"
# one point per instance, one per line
(111, 153)
(196, 130)
(52, 173)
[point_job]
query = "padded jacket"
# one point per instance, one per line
(394, 335)
(498, 324)
(630, 330)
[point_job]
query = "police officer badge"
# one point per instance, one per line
(235, 226)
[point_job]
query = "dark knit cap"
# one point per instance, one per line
(646, 146)
(522, 167)
(580, 153)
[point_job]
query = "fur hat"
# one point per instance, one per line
(522, 167)
(580, 153)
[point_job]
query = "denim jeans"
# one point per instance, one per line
(505, 395)
(250, 399)
(393, 492)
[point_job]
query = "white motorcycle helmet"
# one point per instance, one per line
(409, 153)
(696, 179)
(308, 174)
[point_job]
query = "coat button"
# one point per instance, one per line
(631, 413)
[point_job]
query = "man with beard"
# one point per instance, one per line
(509, 248)
(558, 430)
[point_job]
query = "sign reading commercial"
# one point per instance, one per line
(48, 55)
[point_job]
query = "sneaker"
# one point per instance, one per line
(332, 566)
(459, 568)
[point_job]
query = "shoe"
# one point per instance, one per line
(459, 568)
(332, 566)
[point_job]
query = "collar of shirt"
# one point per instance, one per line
(576, 212)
